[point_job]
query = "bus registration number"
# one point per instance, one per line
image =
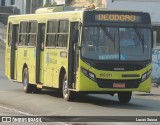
(118, 85)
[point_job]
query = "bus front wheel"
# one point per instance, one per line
(67, 94)
(28, 88)
(124, 97)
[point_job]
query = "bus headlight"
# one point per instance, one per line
(149, 72)
(146, 75)
(88, 74)
(84, 71)
(92, 76)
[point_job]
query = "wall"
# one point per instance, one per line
(85, 3)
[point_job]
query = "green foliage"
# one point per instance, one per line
(91, 1)
(68, 2)
(50, 5)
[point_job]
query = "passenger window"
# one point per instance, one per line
(51, 35)
(23, 34)
(63, 33)
(32, 35)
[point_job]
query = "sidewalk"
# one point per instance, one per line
(154, 94)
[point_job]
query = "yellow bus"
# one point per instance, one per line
(81, 51)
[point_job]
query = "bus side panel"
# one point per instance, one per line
(53, 62)
(7, 55)
(15, 65)
(7, 60)
(62, 61)
(42, 67)
(26, 56)
(49, 66)
(20, 63)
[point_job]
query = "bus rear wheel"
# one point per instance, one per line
(28, 88)
(124, 97)
(67, 94)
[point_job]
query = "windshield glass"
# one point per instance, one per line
(108, 43)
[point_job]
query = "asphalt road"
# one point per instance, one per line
(13, 102)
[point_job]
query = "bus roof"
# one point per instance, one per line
(71, 15)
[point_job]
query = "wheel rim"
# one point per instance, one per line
(65, 89)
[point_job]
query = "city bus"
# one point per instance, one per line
(80, 52)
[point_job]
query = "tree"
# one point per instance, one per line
(91, 1)
(68, 2)
(49, 4)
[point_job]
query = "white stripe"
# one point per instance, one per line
(24, 113)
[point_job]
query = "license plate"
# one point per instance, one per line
(118, 85)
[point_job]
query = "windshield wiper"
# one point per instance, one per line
(140, 36)
(107, 33)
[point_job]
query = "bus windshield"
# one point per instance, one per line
(116, 43)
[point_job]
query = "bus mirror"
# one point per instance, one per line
(75, 35)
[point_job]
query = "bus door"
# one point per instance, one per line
(40, 53)
(13, 73)
(73, 56)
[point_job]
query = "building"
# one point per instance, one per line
(60, 2)
(7, 2)
(97, 3)
(29, 6)
(7, 8)
(25, 6)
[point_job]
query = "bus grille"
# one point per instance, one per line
(111, 67)
(103, 83)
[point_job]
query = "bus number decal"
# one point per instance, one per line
(25, 53)
(63, 54)
(109, 56)
(105, 75)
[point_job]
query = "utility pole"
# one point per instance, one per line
(31, 7)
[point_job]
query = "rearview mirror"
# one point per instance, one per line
(75, 35)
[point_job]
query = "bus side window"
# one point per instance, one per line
(63, 33)
(23, 34)
(32, 35)
(10, 34)
(51, 35)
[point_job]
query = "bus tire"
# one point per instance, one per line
(28, 88)
(124, 97)
(67, 94)
(37, 90)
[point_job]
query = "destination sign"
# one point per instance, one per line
(106, 17)
(117, 17)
